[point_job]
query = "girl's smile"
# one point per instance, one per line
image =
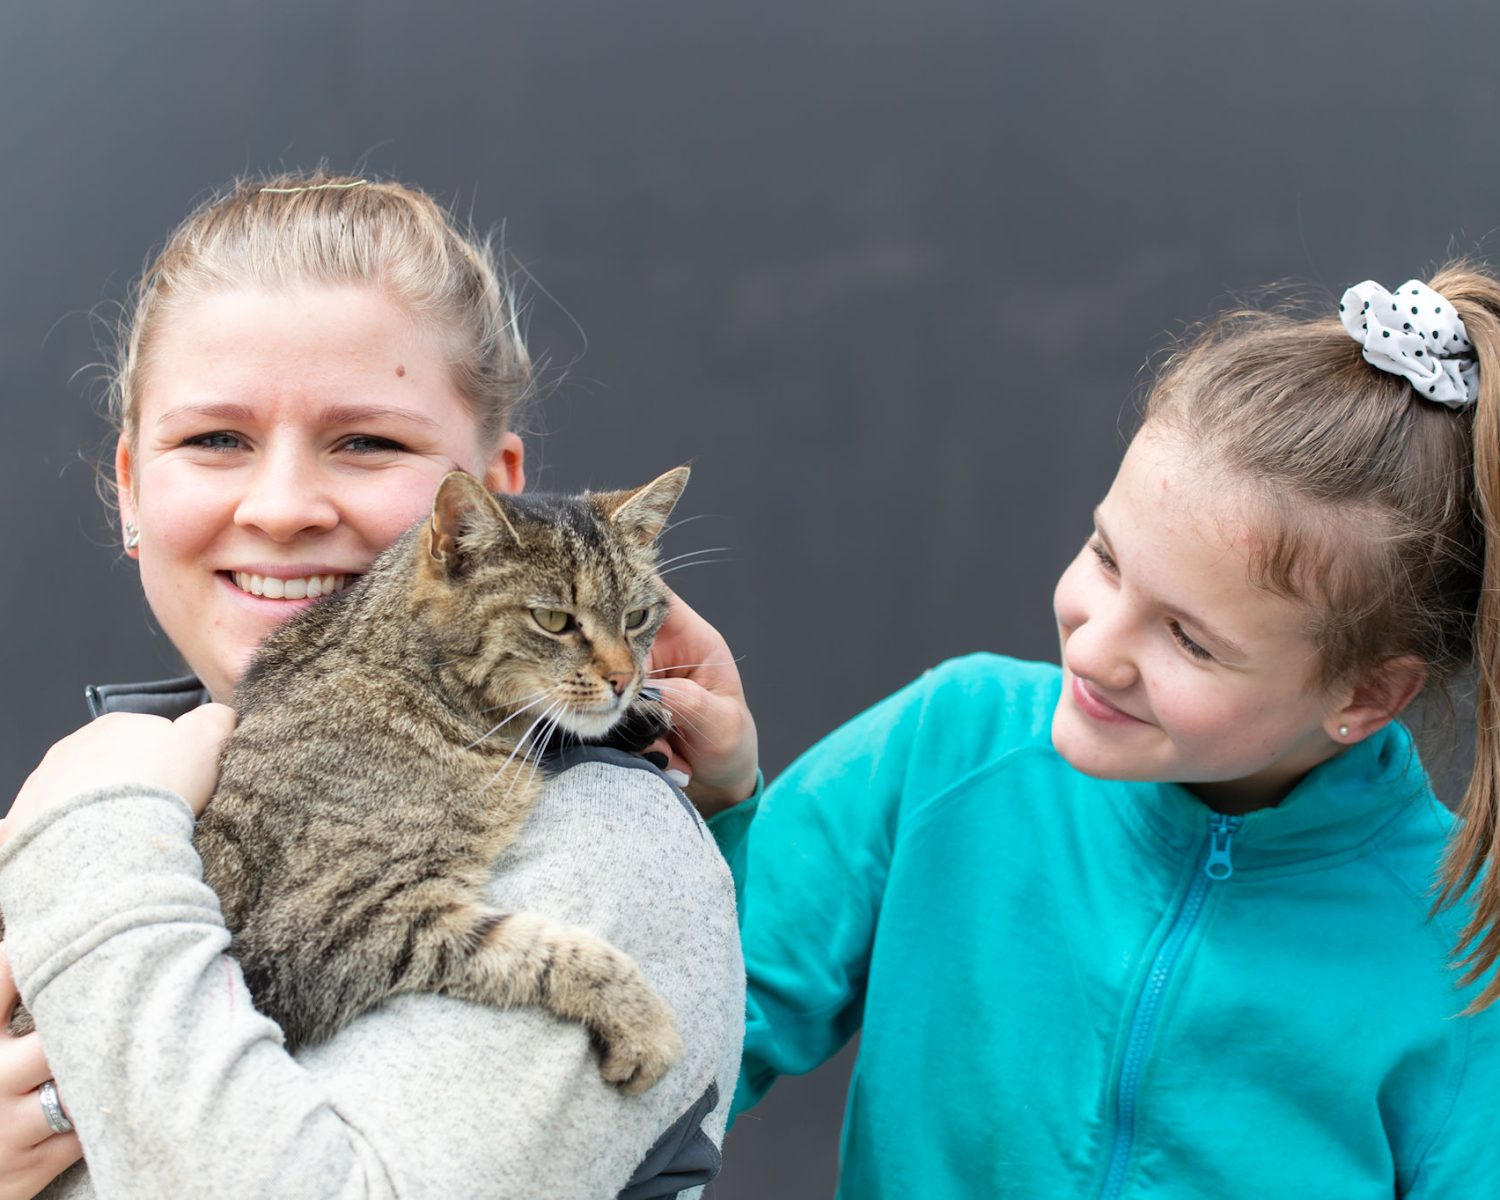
(283, 441)
(1177, 666)
(1092, 704)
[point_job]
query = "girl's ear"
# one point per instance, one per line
(125, 490)
(1372, 705)
(506, 469)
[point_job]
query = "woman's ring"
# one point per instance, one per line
(57, 1120)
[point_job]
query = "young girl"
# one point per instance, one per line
(306, 360)
(1157, 923)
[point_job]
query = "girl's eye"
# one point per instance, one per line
(364, 443)
(219, 439)
(553, 620)
(1103, 556)
(1187, 643)
(636, 617)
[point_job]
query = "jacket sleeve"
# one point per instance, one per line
(179, 1087)
(1463, 1156)
(811, 870)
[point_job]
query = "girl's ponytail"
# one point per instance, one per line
(1474, 855)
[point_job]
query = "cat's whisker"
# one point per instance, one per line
(684, 719)
(691, 554)
(496, 728)
(702, 562)
(539, 744)
(722, 662)
(666, 529)
(520, 699)
(521, 742)
(541, 747)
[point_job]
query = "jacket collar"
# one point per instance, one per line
(168, 698)
(1335, 810)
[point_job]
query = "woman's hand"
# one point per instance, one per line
(180, 755)
(714, 739)
(31, 1155)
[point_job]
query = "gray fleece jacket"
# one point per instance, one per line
(179, 1088)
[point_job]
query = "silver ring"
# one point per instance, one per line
(52, 1108)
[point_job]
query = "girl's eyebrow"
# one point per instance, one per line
(1222, 646)
(334, 414)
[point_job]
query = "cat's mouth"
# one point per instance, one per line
(304, 587)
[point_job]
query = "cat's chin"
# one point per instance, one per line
(592, 723)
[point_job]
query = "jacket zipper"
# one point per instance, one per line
(1217, 865)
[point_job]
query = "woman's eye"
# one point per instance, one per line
(553, 620)
(1103, 555)
(636, 617)
(217, 440)
(1186, 642)
(364, 443)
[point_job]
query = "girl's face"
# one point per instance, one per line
(286, 436)
(1176, 666)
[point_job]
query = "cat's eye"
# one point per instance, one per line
(636, 617)
(553, 620)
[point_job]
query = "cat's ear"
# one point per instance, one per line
(641, 514)
(461, 503)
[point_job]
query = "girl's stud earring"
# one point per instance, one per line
(132, 535)
(1343, 731)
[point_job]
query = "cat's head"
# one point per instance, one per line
(545, 605)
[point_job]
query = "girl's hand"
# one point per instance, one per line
(31, 1155)
(714, 739)
(180, 755)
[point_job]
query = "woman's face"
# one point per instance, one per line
(283, 438)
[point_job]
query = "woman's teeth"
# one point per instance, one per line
(308, 587)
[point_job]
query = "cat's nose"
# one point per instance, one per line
(620, 680)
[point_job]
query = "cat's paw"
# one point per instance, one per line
(20, 1022)
(634, 1056)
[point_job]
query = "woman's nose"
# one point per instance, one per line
(286, 496)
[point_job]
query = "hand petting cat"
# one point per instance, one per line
(714, 740)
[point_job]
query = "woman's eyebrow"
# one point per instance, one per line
(353, 414)
(334, 414)
(219, 412)
(1223, 646)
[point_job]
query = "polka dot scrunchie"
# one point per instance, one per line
(1414, 332)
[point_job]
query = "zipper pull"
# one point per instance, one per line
(1221, 831)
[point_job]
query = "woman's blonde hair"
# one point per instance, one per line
(326, 229)
(1379, 511)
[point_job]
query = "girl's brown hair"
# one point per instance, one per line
(326, 229)
(1377, 509)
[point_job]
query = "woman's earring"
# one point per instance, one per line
(132, 535)
(1343, 731)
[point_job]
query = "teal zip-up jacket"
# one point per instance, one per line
(1070, 987)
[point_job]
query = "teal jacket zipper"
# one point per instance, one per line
(1217, 865)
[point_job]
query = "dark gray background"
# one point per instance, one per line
(886, 273)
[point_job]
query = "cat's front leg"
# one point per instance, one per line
(526, 958)
(20, 1023)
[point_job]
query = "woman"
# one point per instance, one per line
(306, 359)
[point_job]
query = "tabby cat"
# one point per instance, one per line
(384, 758)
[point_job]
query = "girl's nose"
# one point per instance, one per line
(1100, 653)
(285, 497)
